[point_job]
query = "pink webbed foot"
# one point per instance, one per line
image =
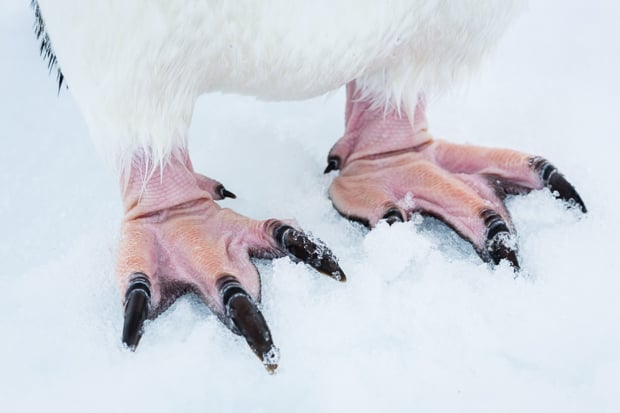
(391, 167)
(175, 239)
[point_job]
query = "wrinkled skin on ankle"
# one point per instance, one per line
(391, 167)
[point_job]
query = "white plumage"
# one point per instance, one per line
(136, 67)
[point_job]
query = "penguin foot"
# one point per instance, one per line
(391, 167)
(176, 239)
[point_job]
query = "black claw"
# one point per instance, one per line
(333, 164)
(137, 307)
(225, 193)
(500, 243)
(244, 318)
(312, 252)
(393, 215)
(556, 183)
(501, 248)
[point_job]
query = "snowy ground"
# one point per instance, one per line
(421, 325)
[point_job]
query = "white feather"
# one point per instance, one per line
(136, 67)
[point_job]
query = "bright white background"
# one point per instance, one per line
(421, 325)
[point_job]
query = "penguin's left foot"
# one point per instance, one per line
(391, 167)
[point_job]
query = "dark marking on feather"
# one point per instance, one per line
(46, 50)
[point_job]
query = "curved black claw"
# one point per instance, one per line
(557, 184)
(500, 243)
(312, 252)
(225, 193)
(333, 164)
(393, 215)
(137, 307)
(244, 318)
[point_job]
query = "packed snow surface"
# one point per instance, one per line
(420, 325)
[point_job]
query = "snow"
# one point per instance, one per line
(420, 325)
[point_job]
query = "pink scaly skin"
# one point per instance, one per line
(391, 167)
(176, 239)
